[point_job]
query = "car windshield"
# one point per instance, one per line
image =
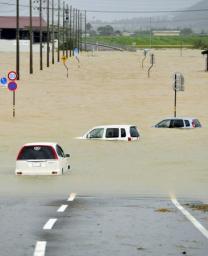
(37, 152)
(96, 133)
(164, 124)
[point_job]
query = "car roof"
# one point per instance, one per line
(114, 126)
(180, 118)
(53, 144)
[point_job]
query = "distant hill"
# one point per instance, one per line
(198, 21)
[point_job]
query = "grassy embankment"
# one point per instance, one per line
(193, 41)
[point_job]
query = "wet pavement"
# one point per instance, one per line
(91, 225)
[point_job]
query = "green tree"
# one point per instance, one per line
(106, 30)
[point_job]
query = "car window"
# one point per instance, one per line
(187, 123)
(196, 123)
(60, 151)
(164, 124)
(112, 133)
(37, 152)
(134, 132)
(178, 123)
(96, 133)
(123, 133)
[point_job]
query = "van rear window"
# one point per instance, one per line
(197, 123)
(37, 153)
(134, 131)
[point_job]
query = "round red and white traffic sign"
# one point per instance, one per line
(12, 75)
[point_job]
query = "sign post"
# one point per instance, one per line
(152, 62)
(64, 59)
(145, 55)
(205, 52)
(76, 55)
(12, 86)
(178, 85)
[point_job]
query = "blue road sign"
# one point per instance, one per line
(12, 86)
(76, 52)
(4, 80)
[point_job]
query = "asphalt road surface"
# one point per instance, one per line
(85, 225)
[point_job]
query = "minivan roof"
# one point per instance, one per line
(53, 144)
(179, 117)
(114, 126)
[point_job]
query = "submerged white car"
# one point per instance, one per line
(179, 122)
(41, 158)
(112, 132)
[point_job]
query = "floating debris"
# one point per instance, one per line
(164, 210)
(199, 207)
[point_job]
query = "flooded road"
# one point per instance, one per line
(110, 88)
(171, 161)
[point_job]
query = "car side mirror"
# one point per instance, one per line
(67, 155)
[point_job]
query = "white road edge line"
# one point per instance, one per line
(62, 208)
(71, 197)
(194, 221)
(40, 248)
(49, 224)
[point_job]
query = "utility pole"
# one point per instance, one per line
(78, 30)
(31, 39)
(17, 41)
(52, 31)
(41, 36)
(74, 36)
(85, 30)
(67, 30)
(81, 21)
(48, 35)
(58, 52)
(70, 32)
(63, 45)
(150, 35)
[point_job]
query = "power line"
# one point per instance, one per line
(151, 11)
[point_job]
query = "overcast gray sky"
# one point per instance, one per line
(110, 5)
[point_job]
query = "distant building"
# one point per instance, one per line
(8, 28)
(166, 33)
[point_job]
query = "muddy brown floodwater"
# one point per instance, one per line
(109, 88)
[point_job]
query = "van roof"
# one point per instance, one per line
(179, 117)
(114, 126)
(53, 144)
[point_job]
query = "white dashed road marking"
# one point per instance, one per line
(194, 221)
(62, 208)
(40, 248)
(49, 224)
(71, 197)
